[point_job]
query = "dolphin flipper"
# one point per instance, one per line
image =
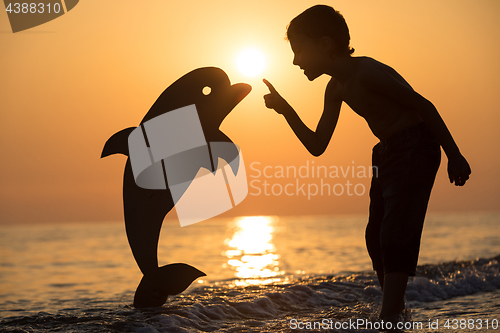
(154, 288)
(117, 143)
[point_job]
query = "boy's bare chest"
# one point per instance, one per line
(366, 103)
(381, 113)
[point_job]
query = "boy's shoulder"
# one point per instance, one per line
(372, 73)
(364, 70)
(368, 68)
(369, 61)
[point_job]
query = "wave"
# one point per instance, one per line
(224, 307)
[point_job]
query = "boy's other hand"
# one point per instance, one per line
(273, 100)
(458, 170)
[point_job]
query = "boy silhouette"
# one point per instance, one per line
(407, 157)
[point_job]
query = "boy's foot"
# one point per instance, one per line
(391, 322)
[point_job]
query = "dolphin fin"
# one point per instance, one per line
(117, 143)
(154, 288)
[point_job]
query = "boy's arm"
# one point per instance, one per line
(382, 82)
(314, 141)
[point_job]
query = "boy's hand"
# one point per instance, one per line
(273, 100)
(458, 170)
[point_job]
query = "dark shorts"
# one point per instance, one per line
(404, 169)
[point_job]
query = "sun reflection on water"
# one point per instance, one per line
(252, 254)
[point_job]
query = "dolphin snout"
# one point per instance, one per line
(222, 102)
(241, 90)
(238, 91)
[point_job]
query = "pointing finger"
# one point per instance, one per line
(270, 86)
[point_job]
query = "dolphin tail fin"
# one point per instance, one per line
(154, 288)
(117, 143)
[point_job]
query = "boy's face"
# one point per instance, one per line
(309, 55)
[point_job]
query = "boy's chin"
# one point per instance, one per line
(312, 76)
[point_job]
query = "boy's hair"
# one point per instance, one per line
(320, 21)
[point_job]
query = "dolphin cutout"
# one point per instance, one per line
(145, 209)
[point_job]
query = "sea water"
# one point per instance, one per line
(264, 274)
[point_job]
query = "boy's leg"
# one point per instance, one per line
(372, 233)
(376, 211)
(380, 277)
(406, 198)
(393, 296)
(393, 284)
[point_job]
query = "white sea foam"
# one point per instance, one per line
(261, 274)
(270, 308)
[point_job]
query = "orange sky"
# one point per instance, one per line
(68, 85)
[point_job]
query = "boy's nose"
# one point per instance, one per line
(295, 60)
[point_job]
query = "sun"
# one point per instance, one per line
(251, 62)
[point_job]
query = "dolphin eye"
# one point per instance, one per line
(206, 90)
